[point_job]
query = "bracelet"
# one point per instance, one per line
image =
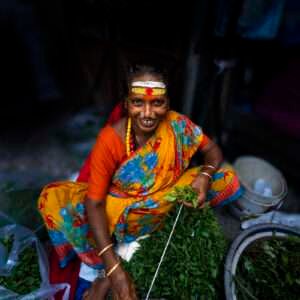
(105, 248)
(206, 174)
(210, 167)
(113, 269)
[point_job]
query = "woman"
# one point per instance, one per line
(134, 164)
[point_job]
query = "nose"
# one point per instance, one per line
(147, 110)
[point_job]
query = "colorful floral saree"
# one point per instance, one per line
(135, 204)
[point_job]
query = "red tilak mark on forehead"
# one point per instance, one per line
(149, 91)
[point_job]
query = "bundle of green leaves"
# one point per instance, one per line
(193, 265)
(183, 193)
(270, 269)
(25, 276)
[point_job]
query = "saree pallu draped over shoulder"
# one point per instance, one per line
(135, 204)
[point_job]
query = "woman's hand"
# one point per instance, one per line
(98, 290)
(122, 285)
(201, 184)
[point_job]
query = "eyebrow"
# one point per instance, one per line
(142, 98)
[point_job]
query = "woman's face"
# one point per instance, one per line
(147, 102)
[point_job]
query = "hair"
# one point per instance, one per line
(137, 70)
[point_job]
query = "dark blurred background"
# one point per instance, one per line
(234, 65)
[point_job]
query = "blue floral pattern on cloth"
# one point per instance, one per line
(74, 227)
(138, 170)
(146, 222)
(187, 136)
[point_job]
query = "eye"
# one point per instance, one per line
(136, 102)
(158, 102)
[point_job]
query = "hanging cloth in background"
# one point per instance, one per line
(252, 19)
(289, 33)
(260, 19)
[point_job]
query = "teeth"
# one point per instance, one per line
(147, 122)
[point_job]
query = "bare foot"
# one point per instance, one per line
(98, 290)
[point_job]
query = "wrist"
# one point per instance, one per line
(113, 269)
(110, 258)
(117, 274)
(104, 249)
(211, 167)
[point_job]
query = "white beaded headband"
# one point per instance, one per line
(150, 84)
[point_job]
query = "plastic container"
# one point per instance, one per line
(264, 187)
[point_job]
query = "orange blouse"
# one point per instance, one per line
(107, 154)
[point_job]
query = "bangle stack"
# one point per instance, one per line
(206, 167)
(108, 273)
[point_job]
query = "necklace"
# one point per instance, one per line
(129, 139)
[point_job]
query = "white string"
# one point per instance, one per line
(164, 252)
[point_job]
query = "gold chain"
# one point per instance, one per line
(127, 138)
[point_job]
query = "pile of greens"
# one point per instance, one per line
(193, 265)
(270, 269)
(25, 277)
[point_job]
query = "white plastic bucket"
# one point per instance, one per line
(250, 169)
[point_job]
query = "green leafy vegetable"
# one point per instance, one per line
(193, 265)
(270, 269)
(25, 276)
(183, 193)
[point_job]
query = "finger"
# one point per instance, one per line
(201, 199)
(85, 295)
(128, 297)
(133, 292)
(201, 196)
(184, 203)
(201, 205)
(115, 296)
(187, 204)
(135, 297)
(125, 293)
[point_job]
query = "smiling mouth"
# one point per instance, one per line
(147, 122)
